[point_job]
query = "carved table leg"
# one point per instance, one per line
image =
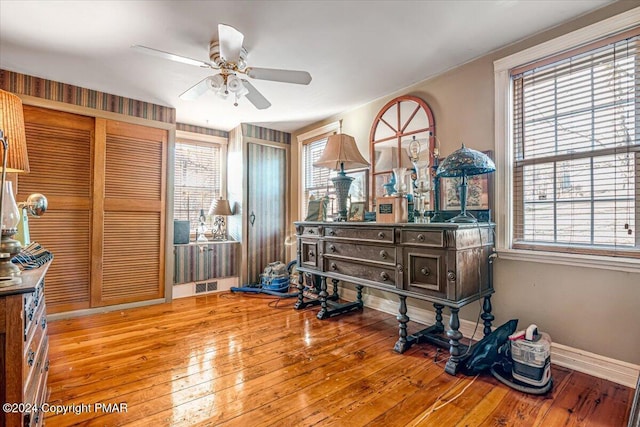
(300, 303)
(334, 296)
(439, 326)
(359, 295)
(454, 337)
(402, 344)
(486, 315)
(323, 298)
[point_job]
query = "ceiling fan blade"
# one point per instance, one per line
(230, 43)
(172, 56)
(196, 91)
(255, 97)
(285, 76)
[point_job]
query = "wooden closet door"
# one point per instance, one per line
(266, 167)
(59, 148)
(131, 215)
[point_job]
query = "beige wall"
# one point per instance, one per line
(586, 308)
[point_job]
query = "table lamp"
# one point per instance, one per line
(341, 153)
(220, 209)
(14, 159)
(464, 162)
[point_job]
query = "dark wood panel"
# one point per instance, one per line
(237, 360)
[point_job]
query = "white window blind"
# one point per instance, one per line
(576, 126)
(197, 179)
(316, 180)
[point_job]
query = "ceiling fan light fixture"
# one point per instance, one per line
(234, 84)
(216, 82)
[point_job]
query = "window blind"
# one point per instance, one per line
(316, 180)
(576, 175)
(197, 180)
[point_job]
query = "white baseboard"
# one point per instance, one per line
(184, 290)
(620, 372)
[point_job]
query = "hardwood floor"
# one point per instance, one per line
(240, 360)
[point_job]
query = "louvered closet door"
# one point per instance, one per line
(59, 149)
(133, 214)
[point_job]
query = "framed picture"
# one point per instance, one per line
(356, 211)
(359, 190)
(478, 191)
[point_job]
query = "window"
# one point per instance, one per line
(198, 179)
(316, 180)
(575, 157)
(568, 148)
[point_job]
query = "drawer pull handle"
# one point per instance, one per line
(451, 276)
(312, 254)
(31, 357)
(332, 232)
(425, 271)
(44, 322)
(334, 267)
(332, 248)
(421, 237)
(311, 231)
(30, 314)
(46, 365)
(381, 235)
(384, 254)
(384, 276)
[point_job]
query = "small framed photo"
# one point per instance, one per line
(356, 211)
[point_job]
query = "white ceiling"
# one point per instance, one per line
(356, 51)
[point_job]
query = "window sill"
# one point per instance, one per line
(629, 265)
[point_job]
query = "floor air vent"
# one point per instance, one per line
(206, 287)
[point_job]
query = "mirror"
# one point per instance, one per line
(403, 137)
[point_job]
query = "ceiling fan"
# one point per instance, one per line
(230, 57)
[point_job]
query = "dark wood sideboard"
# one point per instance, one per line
(24, 347)
(447, 264)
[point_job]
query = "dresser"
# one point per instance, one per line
(24, 345)
(446, 264)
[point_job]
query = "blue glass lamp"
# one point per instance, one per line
(465, 162)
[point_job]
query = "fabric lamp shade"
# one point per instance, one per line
(465, 162)
(220, 207)
(12, 126)
(341, 152)
(391, 157)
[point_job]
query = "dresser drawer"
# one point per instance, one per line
(309, 255)
(34, 343)
(360, 233)
(381, 275)
(375, 253)
(309, 230)
(429, 238)
(426, 272)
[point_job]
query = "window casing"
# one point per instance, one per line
(507, 243)
(197, 179)
(575, 154)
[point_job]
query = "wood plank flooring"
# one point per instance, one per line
(245, 360)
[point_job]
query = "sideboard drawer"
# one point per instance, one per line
(381, 275)
(309, 255)
(426, 272)
(360, 233)
(372, 253)
(310, 231)
(430, 238)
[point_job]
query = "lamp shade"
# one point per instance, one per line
(220, 207)
(12, 126)
(465, 162)
(391, 157)
(341, 151)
